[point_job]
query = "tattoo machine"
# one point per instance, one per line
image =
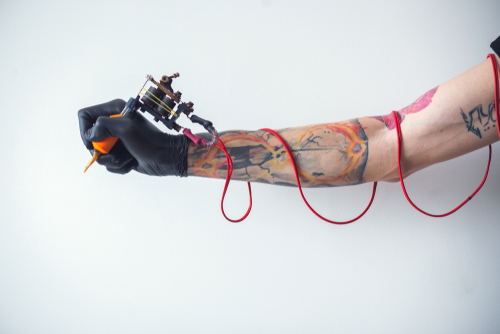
(165, 106)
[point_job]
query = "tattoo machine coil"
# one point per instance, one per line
(161, 101)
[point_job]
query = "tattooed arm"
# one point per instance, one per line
(450, 120)
(327, 154)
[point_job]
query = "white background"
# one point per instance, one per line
(105, 253)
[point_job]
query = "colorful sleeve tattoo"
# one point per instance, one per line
(332, 154)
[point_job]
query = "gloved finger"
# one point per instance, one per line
(123, 170)
(118, 156)
(114, 160)
(106, 127)
(88, 116)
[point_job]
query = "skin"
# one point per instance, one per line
(448, 121)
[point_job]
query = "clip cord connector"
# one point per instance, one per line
(203, 122)
(208, 126)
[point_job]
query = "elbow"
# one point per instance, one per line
(394, 177)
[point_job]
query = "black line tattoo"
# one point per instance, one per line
(486, 120)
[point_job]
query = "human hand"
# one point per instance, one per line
(142, 146)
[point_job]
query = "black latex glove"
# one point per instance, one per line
(142, 146)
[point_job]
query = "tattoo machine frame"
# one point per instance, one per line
(164, 105)
(161, 102)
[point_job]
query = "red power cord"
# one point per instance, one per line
(497, 99)
(400, 138)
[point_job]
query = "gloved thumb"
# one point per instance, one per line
(88, 116)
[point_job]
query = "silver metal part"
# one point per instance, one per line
(128, 106)
(214, 138)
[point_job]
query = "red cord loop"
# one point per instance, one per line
(400, 138)
(228, 178)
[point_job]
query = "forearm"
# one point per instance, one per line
(440, 125)
(326, 154)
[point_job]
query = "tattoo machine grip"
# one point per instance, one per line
(105, 145)
(102, 147)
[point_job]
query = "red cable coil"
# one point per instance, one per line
(230, 172)
(400, 137)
